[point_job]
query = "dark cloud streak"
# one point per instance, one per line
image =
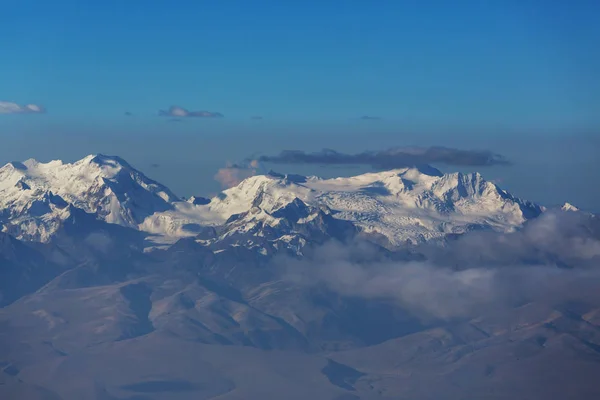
(398, 157)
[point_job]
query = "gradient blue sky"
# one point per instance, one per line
(464, 74)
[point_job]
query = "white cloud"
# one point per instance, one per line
(8, 107)
(180, 112)
(555, 258)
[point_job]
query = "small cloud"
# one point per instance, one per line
(369, 118)
(256, 117)
(7, 107)
(234, 174)
(180, 112)
(397, 157)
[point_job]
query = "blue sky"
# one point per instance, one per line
(434, 72)
(483, 62)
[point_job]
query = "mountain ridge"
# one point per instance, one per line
(405, 205)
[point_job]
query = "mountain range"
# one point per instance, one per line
(401, 284)
(406, 205)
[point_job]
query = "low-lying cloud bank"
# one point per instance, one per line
(398, 157)
(180, 112)
(554, 259)
(7, 107)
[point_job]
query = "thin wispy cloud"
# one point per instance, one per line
(180, 112)
(8, 107)
(398, 157)
(369, 118)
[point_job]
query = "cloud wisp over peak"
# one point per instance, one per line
(397, 157)
(8, 107)
(232, 174)
(180, 112)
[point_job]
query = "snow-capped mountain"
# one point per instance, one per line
(403, 205)
(34, 196)
(408, 205)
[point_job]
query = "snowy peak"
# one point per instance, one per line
(459, 185)
(33, 194)
(106, 185)
(265, 191)
(569, 207)
(106, 161)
